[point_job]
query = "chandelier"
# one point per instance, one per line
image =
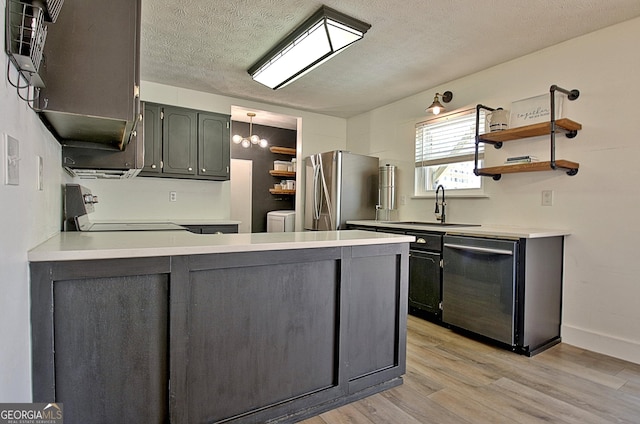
(246, 142)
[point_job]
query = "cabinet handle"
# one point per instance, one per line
(421, 241)
(204, 170)
(479, 249)
(153, 166)
(189, 169)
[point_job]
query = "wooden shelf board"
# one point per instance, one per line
(280, 191)
(282, 173)
(282, 150)
(529, 167)
(533, 130)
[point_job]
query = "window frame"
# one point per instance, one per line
(420, 164)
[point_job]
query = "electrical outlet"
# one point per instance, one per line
(173, 196)
(547, 197)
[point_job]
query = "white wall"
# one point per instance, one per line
(27, 218)
(148, 198)
(600, 205)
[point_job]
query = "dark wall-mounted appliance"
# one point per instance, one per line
(90, 161)
(91, 72)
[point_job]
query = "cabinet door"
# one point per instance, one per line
(111, 343)
(372, 314)
(180, 140)
(424, 281)
(257, 333)
(213, 146)
(152, 138)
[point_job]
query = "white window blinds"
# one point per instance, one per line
(448, 139)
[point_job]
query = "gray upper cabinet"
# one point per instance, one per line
(91, 72)
(186, 143)
(214, 145)
(179, 141)
(152, 139)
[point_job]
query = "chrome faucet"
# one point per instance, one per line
(440, 216)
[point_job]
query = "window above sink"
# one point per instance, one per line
(444, 154)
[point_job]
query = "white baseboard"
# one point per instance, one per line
(629, 350)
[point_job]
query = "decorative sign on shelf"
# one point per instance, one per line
(533, 110)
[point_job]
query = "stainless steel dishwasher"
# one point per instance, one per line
(479, 286)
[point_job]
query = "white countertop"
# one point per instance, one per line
(489, 230)
(68, 246)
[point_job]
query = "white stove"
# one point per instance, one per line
(79, 203)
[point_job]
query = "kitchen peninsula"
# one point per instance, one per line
(171, 326)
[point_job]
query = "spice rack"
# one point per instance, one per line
(567, 126)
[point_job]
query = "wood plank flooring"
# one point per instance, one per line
(452, 379)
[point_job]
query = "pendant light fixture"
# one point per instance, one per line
(246, 142)
(325, 34)
(437, 107)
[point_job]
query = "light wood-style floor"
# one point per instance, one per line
(452, 379)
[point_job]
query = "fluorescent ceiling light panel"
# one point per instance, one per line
(319, 38)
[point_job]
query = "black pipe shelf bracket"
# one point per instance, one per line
(552, 127)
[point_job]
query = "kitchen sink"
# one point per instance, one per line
(433, 224)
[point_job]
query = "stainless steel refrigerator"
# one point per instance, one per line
(340, 186)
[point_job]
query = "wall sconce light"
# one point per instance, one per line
(325, 34)
(246, 142)
(436, 107)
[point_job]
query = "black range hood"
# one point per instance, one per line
(100, 160)
(91, 98)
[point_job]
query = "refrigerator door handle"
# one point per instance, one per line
(325, 191)
(316, 192)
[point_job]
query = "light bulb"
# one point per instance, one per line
(264, 143)
(236, 139)
(245, 143)
(436, 110)
(255, 139)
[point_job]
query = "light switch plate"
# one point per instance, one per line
(12, 161)
(40, 171)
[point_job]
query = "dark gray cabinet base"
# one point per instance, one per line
(240, 337)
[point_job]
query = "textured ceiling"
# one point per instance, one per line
(412, 45)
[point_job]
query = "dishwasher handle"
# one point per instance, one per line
(479, 249)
